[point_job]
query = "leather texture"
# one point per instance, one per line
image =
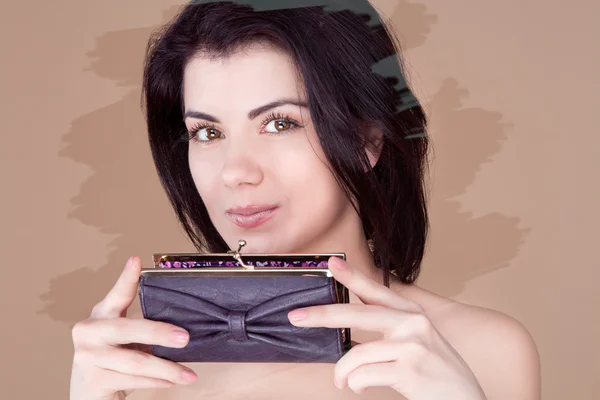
(242, 319)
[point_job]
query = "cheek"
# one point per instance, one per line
(308, 182)
(205, 176)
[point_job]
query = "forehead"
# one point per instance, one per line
(248, 78)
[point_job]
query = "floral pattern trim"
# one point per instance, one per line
(280, 264)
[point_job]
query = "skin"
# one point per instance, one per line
(411, 343)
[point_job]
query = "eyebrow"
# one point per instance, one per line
(252, 114)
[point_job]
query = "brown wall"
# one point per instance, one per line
(510, 87)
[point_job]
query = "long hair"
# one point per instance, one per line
(350, 64)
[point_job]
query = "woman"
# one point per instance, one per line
(284, 127)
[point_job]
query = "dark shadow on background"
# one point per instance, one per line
(462, 247)
(124, 197)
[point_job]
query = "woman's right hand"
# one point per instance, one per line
(109, 362)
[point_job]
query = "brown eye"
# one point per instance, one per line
(212, 134)
(282, 125)
(279, 125)
(205, 134)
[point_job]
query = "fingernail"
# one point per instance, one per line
(297, 315)
(129, 262)
(189, 375)
(180, 336)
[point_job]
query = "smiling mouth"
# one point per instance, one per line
(251, 216)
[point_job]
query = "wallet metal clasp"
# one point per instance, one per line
(236, 254)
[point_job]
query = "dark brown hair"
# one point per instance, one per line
(349, 63)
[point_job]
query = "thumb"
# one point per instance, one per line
(122, 294)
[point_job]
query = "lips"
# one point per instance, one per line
(251, 216)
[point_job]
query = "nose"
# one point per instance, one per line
(240, 166)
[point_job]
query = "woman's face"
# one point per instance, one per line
(261, 174)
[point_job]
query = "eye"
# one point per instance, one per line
(279, 125)
(204, 133)
(276, 123)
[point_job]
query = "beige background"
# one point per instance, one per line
(511, 89)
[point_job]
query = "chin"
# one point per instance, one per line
(258, 242)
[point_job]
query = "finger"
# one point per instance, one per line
(131, 362)
(351, 315)
(372, 375)
(366, 289)
(119, 331)
(122, 294)
(114, 381)
(379, 351)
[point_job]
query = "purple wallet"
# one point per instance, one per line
(236, 309)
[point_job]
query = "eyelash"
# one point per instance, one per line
(192, 133)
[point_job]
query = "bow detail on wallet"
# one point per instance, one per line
(210, 324)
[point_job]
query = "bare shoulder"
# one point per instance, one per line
(497, 347)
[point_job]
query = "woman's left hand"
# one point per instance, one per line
(413, 358)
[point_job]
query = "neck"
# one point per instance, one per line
(347, 236)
